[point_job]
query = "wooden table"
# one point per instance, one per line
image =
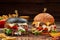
(33, 37)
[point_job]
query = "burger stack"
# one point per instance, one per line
(43, 23)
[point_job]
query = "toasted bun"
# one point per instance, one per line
(44, 17)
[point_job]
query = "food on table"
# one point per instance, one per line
(2, 35)
(2, 22)
(55, 34)
(16, 26)
(44, 23)
(8, 31)
(10, 38)
(3, 18)
(44, 17)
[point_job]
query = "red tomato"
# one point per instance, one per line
(15, 27)
(2, 23)
(39, 28)
(46, 29)
(55, 27)
(26, 28)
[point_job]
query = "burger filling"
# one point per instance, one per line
(17, 28)
(41, 27)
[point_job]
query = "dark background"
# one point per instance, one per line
(31, 7)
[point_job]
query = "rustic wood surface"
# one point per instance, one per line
(33, 37)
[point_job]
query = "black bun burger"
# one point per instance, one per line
(16, 26)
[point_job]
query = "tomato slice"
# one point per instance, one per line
(2, 23)
(39, 28)
(46, 29)
(55, 27)
(15, 27)
(26, 28)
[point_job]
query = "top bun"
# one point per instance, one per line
(44, 17)
(16, 20)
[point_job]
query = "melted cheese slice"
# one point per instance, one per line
(49, 28)
(44, 26)
(11, 25)
(22, 23)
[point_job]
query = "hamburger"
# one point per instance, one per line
(16, 26)
(43, 23)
